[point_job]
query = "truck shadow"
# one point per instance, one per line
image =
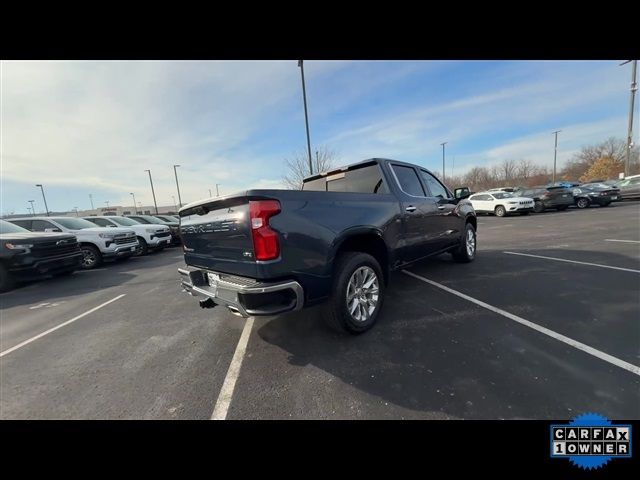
(434, 352)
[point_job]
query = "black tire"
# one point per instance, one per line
(144, 248)
(562, 208)
(524, 213)
(583, 203)
(538, 206)
(500, 211)
(338, 316)
(7, 281)
(91, 257)
(462, 254)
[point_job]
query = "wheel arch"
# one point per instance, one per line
(361, 239)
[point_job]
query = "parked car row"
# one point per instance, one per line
(503, 201)
(33, 247)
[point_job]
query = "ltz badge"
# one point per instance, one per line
(590, 441)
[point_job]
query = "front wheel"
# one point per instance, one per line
(357, 293)
(500, 211)
(144, 248)
(466, 252)
(91, 257)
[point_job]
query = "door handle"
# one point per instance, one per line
(410, 208)
(440, 207)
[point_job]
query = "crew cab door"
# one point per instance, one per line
(448, 222)
(421, 222)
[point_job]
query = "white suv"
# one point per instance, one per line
(96, 243)
(150, 237)
(501, 203)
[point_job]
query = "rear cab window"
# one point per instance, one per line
(367, 179)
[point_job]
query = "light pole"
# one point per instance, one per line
(33, 209)
(217, 191)
(174, 202)
(306, 115)
(43, 197)
(135, 209)
(91, 198)
(210, 193)
(76, 209)
(155, 204)
(443, 144)
(555, 155)
(177, 186)
(634, 87)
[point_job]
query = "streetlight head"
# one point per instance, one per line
(176, 165)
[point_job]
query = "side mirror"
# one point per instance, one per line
(462, 192)
(52, 230)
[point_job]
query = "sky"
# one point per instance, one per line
(94, 127)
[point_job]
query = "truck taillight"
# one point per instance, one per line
(265, 240)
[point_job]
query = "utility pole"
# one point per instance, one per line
(306, 116)
(44, 198)
(76, 209)
(634, 88)
(155, 204)
(135, 208)
(217, 191)
(91, 198)
(177, 186)
(33, 209)
(210, 193)
(107, 202)
(555, 156)
(443, 144)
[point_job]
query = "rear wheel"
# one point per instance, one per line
(6, 279)
(466, 252)
(500, 211)
(357, 293)
(582, 203)
(91, 257)
(538, 207)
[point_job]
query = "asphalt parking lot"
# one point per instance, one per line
(543, 325)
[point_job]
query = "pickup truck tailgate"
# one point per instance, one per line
(216, 235)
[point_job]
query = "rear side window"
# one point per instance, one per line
(360, 180)
(408, 180)
(41, 225)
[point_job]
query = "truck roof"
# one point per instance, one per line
(363, 163)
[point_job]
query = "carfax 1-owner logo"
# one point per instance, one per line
(590, 441)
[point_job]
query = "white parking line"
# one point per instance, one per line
(622, 241)
(573, 261)
(40, 335)
(569, 341)
(229, 385)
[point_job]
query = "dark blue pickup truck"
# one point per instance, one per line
(265, 252)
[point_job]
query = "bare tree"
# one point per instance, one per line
(323, 160)
(525, 169)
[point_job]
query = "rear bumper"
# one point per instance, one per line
(243, 296)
